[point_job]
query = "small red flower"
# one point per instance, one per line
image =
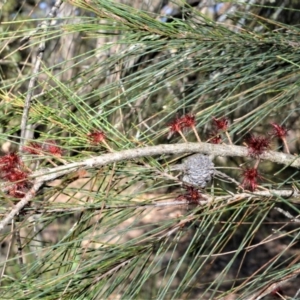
(215, 138)
(20, 178)
(9, 161)
(16, 192)
(52, 148)
(251, 176)
(97, 137)
(188, 121)
(176, 125)
(11, 170)
(33, 148)
(221, 124)
(279, 131)
(192, 196)
(16, 175)
(257, 145)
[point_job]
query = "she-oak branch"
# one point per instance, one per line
(44, 175)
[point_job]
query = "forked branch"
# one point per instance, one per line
(49, 174)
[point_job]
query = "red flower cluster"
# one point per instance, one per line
(11, 169)
(215, 138)
(9, 161)
(192, 196)
(49, 146)
(279, 131)
(33, 148)
(251, 176)
(221, 124)
(15, 175)
(179, 124)
(175, 126)
(257, 145)
(188, 121)
(52, 148)
(97, 136)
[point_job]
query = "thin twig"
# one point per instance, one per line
(286, 146)
(25, 128)
(297, 294)
(44, 27)
(206, 199)
(19, 243)
(196, 134)
(20, 205)
(270, 287)
(8, 253)
(182, 136)
(113, 270)
(228, 137)
(224, 176)
(288, 215)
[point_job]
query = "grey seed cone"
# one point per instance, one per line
(198, 169)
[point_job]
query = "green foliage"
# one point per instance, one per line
(119, 69)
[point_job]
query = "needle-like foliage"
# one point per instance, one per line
(92, 210)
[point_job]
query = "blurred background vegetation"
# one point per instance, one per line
(128, 68)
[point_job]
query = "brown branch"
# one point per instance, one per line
(44, 175)
(20, 205)
(18, 242)
(205, 148)
(44, 27)
(25, 128)
(206, 199)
